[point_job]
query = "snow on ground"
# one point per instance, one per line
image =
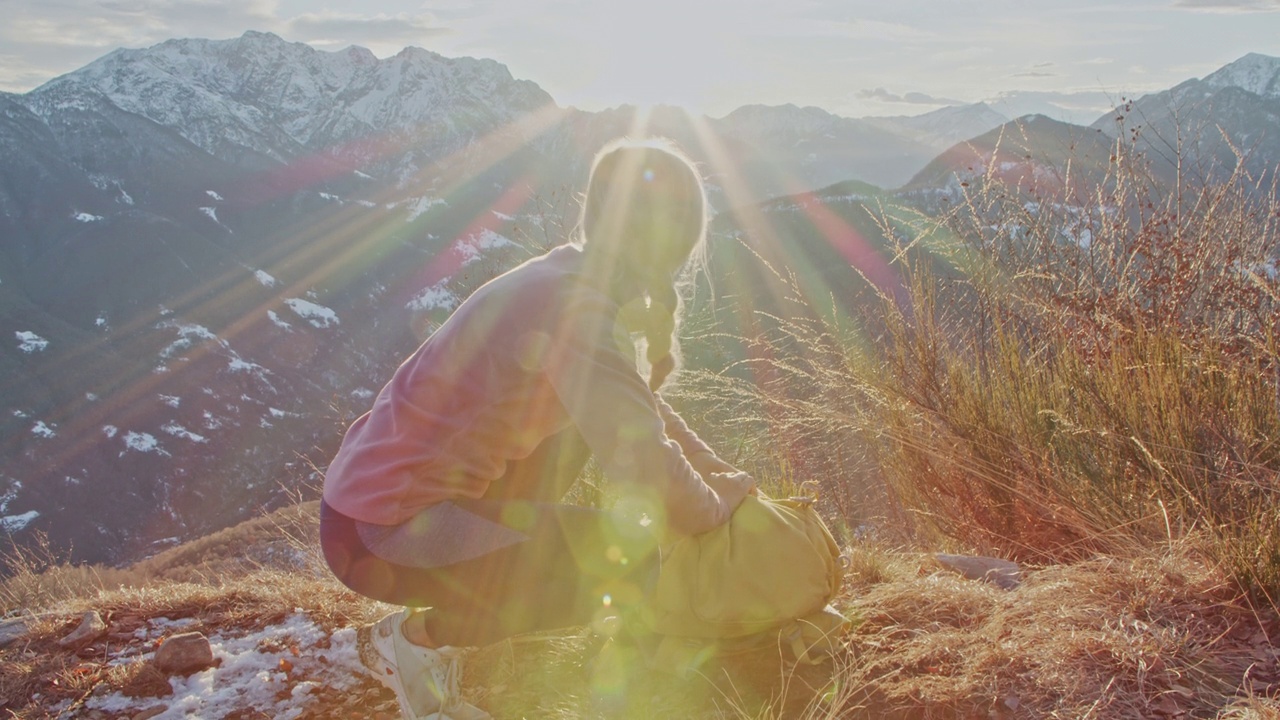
(85, 217)
(472, 247)
(110, 430)
(273, 672)
(265, 278)
(10, 495)
(177, 430)
(213, 195)
(419, 207)
(143, 443)
(187, 335)
(29, 342)
(14, 523)
(318, 315)
(172, 401)
(277, 321)
(435, 297)
(42, 430)
(211, 212)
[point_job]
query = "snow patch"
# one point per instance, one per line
(264, 278)
(110, 430)
(40, 429)
(143, 443)
(213, 195)
(251, 674)
(211, 212)
(330, 197)
(177, 430)
(29, 342)
(187, 335)
(472, 247)
(318, 315)
(172, 401)
(420, 206)
(14, 523)
(278, 322)
(436, 297)
(85, 217)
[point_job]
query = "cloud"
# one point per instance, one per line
(342, 28)
(1229, 6)
(911, 98)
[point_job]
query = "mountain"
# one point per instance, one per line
(1034, 153)
(942, 128)
(816, 148)
(1228, 119)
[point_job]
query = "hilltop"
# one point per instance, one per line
(1154, 636)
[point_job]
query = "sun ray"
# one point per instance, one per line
(337, 246)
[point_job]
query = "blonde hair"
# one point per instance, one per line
(643, 218)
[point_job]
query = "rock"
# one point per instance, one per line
(11, 631)
(91, 628)
(184, 654)
(1002, 573)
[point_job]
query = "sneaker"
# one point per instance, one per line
(425, 680)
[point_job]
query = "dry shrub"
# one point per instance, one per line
(1070, 369)
(33, 577)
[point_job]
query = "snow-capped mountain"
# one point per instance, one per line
(1231, 115)
(1255, 73)
(260, 95)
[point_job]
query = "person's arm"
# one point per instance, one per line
(700, 455)
(620, 420)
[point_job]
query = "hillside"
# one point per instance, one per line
(1154, 636)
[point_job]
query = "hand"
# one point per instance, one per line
(732, 486)
(707, 463)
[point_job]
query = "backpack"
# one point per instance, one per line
(767, 575)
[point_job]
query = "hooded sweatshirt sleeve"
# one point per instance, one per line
(621, 419)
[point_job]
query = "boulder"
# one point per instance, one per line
(91, 628)
(184, 654)
(1001, 573)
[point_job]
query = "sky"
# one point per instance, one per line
(850, 57)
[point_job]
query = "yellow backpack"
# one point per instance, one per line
(769, 573)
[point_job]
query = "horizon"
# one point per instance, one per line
(853, 61)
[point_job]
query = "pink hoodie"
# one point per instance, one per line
(529, 354)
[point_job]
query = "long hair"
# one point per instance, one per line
(643, 218)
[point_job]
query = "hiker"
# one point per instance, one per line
(445, 497)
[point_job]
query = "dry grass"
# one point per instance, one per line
(1161, 636)
(1103, 638)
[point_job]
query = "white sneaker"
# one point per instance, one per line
(425, 680)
